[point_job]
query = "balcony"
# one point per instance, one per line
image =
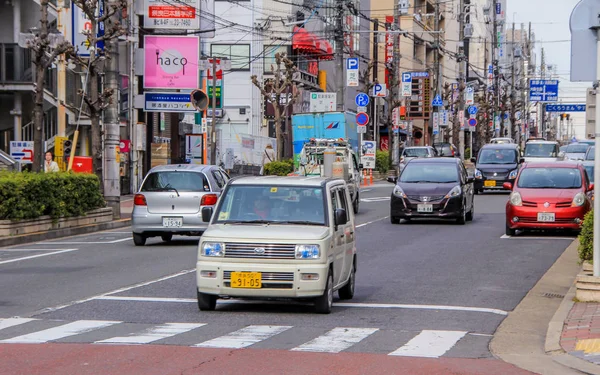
(15, 64)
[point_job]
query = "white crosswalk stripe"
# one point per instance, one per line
(60, 332)
(152, 334)
(11, 322)
(244, 337)
(336, 340)
(432, 344)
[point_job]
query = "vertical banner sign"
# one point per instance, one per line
(436, 123)
(444, 118)
(389, 47)
(171, 62)
(469, 96)
(209, 82)
(406, 84)
(180, 14)
(490, 77)
(352, 71)
(81, 26)
(395, 116)
(461, 119)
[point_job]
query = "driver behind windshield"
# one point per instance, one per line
(262, 207)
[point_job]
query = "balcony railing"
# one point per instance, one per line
(15, 64)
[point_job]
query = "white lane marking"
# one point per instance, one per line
(36, 256)
(505, 237)
(431, 344)
(244, 337)
(83, 242)
(152, 334)
(17, 250)
(375, 199)
(339, 304)
(11, 322)
(371, 222)
(57, 333)
(481, 334)
(120, 290)
(119, 232)
(336, 340)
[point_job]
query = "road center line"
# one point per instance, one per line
(37, 256)
(84, 242)
(339, 304)
(371, 222)
(17, 250)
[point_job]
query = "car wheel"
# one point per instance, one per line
(355, 204)
(394, 220)
(167, 237)
(509, 231)
(463, 216)
(206, 302)
(347, 291)
(139, 239)
(323, 303)
(471, 213)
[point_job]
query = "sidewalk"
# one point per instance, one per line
(125, 221)
(581, 332)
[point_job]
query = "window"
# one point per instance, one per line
(269, 57)
(550, 178)
(171, 181)
(342, 199)
(217, 176)
(238, 54)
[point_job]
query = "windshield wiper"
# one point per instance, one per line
(169, 187)
(299, 222)
(247, 222)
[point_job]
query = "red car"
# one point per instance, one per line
(552, 195)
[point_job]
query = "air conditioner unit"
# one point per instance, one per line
(468, 30)
(518, 52)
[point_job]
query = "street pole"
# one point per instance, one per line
(339, 52)
(438, 75)
(462, 80)
(112, 185)
(375, 75)
(213, 123)
(596, 258)
(496, 65)
(393, 89)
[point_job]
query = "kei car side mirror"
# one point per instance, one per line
(360, 166)
(591, 187)
(507, 186)
(392, 180)
(206, 214)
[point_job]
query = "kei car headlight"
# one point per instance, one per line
(308, 252)
(513, 174)
(399, 192)
(578, 200)
(212, 249)
(478, 174)
(455, 192)
(515, 199)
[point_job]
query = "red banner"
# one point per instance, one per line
(389, 47)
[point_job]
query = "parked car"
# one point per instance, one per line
(551, 195)
(433, 188)
(447, 150)
(495, 165)
(590, 154)
(279, 238)
(410, 153)
(171, 198)
(542, 151)
(502, 140)
(576, 151)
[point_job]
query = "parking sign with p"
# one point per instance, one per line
(380, 90)
(352, 63)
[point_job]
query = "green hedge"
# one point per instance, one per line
(26, 195)
(586, 238)
(467, 153)
(382, 162)
(279, 168)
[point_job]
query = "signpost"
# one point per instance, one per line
(543, 90)
(167, 102)
(469, 96)
(406, 84)
(361, 100)
(368, 154)
(323, 101)
(565, 108)
(362, 119)
(437, 101)
(380, 90)
(22, 151)
(473, 110)
(436, 123)
(352, 66)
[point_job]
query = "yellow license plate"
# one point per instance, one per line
(489, 183)
(250, 280)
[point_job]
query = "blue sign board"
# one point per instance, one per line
(362, 118)
(472, 110)
(472, 122)
(362, 99)
(406, 77)
(352, 63)
(498, 8)
(437, 101)
(541, 90)
(378, 90)
(419, 74)
(565, 108)
(167, 102)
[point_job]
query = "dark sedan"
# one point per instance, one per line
(433, 188)
(495, 165)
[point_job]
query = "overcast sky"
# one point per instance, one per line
(550, 23)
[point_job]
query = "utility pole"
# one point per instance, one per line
(513, 97)
(213, 123)
(393, 89)
(339, 51)
(541, 105)
(462, 80)
(112, 185)
(375, 68)
(496, 65)
(438, 73)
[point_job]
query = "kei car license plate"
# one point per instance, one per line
(546, 217)
(250, 280)
(489, 183)
(425, 208)
(172, 222)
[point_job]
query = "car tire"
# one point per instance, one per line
(324, 303)
(471, 213)
(167, 237)
(206, 302)
(509, 231)
(462, 220)
(347, 291)
(356, 203)
(394, 220)
(139, 239)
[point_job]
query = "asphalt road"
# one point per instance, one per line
(424, 289)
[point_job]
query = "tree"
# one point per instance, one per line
(46, 49)
(95, 99)
(273, 88)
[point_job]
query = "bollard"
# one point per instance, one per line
(371, 175)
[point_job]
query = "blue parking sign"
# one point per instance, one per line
(362, 99)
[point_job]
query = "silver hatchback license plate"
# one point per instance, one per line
(425, 208)
(546, 217)
(172, 222)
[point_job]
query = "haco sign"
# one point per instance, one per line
(171, 62)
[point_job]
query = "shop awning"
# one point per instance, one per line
(309, 43)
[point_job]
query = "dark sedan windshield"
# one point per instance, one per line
(550, 178)
(498, 156)
(416, 152)
(576, 149)
(429, 173)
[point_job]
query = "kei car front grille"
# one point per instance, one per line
(498, 176)
(425, 198)
(563, 204)
(260, 251)
(529, 204)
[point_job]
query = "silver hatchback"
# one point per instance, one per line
(171, 198)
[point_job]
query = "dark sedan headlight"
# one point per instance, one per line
(455, 192)
(478, 174)
(513, 174)
(398, 192)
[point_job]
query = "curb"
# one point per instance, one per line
(552, 344)
(66, 232)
